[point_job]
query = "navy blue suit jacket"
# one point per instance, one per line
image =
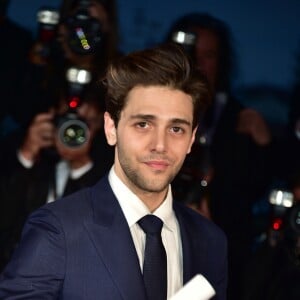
(80, 247)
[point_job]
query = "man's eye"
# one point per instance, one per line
(177, 129)
(142, 124)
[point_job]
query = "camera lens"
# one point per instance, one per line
(85, 34)
(73, 133)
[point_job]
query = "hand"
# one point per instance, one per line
(252, 123)
(36, 55)
(40, 134)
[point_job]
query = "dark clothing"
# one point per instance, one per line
(273, 274)
(24, 190)
(288, 166)
(241, 173)
(241, 177)
(86, 251)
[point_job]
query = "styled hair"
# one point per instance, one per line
(165, 65)
(227, 62)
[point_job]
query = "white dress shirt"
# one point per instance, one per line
(134, 209)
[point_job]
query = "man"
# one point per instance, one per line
(90, 245)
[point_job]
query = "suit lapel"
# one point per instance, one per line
(194, 250)
(111, 236)
(187, 249)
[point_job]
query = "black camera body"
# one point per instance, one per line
(72, 130)
(85, 33)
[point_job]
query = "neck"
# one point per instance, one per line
(153, 200)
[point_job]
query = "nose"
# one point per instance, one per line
(159, 141)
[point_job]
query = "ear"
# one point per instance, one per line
(192, 140)
(110, 129)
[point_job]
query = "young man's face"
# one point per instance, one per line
(153, 136)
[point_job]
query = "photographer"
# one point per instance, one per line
(273, 273)
(228, 169)
(37, 166)
(99, 26)
(45, 167)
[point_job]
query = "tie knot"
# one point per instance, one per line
(151, 224)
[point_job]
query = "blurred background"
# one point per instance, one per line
(266, 33)
(266, 38)
(248, 168)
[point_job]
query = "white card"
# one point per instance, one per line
(198, 288)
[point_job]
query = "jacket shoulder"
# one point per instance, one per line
(80, 204)
(198, 223)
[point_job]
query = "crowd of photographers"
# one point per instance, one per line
(52, 139)
(59, 144)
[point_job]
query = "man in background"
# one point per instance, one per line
(228, 168)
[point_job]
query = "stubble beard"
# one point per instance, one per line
(139, 181)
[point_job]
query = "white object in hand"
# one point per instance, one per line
(198, 288)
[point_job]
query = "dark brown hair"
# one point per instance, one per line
(165, 65)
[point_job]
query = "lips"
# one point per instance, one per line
(157, 164)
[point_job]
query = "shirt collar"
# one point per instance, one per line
(134, 208)
(77, 173)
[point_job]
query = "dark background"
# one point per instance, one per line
(266, 37)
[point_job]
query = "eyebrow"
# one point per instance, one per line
(152, 117)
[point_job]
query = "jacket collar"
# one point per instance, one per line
(111, 236)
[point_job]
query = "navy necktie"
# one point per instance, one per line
(155, 259)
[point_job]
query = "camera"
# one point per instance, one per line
(85, 33)
(285, 218)
(47, 19)
(72, 130)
